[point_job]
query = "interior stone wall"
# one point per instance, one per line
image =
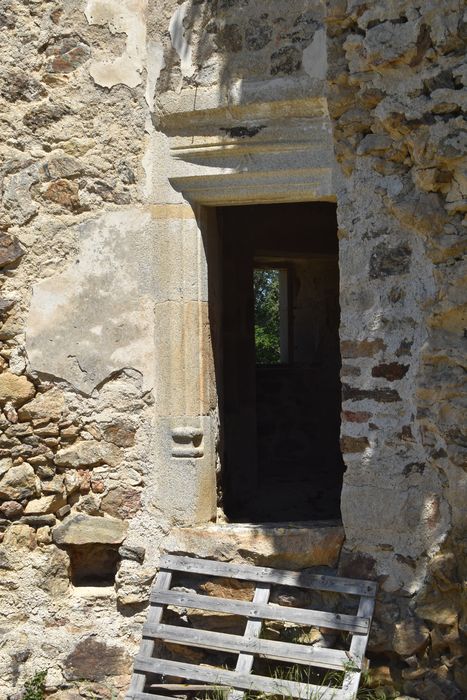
(108, 405)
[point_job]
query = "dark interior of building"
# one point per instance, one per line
(278, 379)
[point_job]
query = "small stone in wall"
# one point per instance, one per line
(88, 453)
(122, 502)
(121, 434)
(63, 192)
(361, 348)
(351, 444)
(48, 406)
(258, 34)
(390, 371)
(356, 416)
(19, 482)
(11, 510)
(10, 251)
(286, 60)
(93, 660)
(229, 38)
(14, 388)
(46, 504)
(44, 115)
(383, 395)
(410, 636)
(19, 86)
(386, 260)
(66, 54)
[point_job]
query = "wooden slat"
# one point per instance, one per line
(357, 649)
(271, 649)
(146, 696)
(252, 631)
(261, 573)
(302, 616)
(162, 582)
(232, 679)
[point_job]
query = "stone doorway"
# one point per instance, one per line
(280, 415)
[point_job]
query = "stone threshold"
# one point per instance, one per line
(296, 545)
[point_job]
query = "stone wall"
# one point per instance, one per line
(108, 414)
(396, 100)
(76, 408)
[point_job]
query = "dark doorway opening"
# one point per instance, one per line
(278, 346)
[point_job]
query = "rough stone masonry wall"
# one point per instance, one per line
(76, 89)
(73, 112)
(397, 100)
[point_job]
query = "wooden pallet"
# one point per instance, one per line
(250, 645)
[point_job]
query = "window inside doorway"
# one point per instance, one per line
(271, 300)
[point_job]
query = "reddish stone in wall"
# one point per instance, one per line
(93, 660)
(122, 502)
(356, 416)
(390, 371)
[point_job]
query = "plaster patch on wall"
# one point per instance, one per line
(314, 57)
(128, 17)
(97, 316)
(179, 42)
(155, 63)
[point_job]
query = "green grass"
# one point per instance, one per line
(35, 687)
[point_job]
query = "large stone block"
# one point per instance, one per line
(87, 529)
(287, 546)
(88, 453)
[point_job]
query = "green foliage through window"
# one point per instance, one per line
(267, 316)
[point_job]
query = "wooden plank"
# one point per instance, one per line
(232, 679)
(357, 650)
(271, 649)
(301, 616)
(252, 631)
(147, 696)
(179, 687)
(265, 574)
(138, 680)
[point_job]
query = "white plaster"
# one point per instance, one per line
(97, 316)
(128, 17)
(154, 64)
(179, 42)
(314, 57)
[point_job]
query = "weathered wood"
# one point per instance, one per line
(232, 679)
(234, 683)
(252, 631)
(265, 574)
(316, 618)
(270, 649)
(357, 650)
(146, 696)
(179, 687)
(162, 582)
